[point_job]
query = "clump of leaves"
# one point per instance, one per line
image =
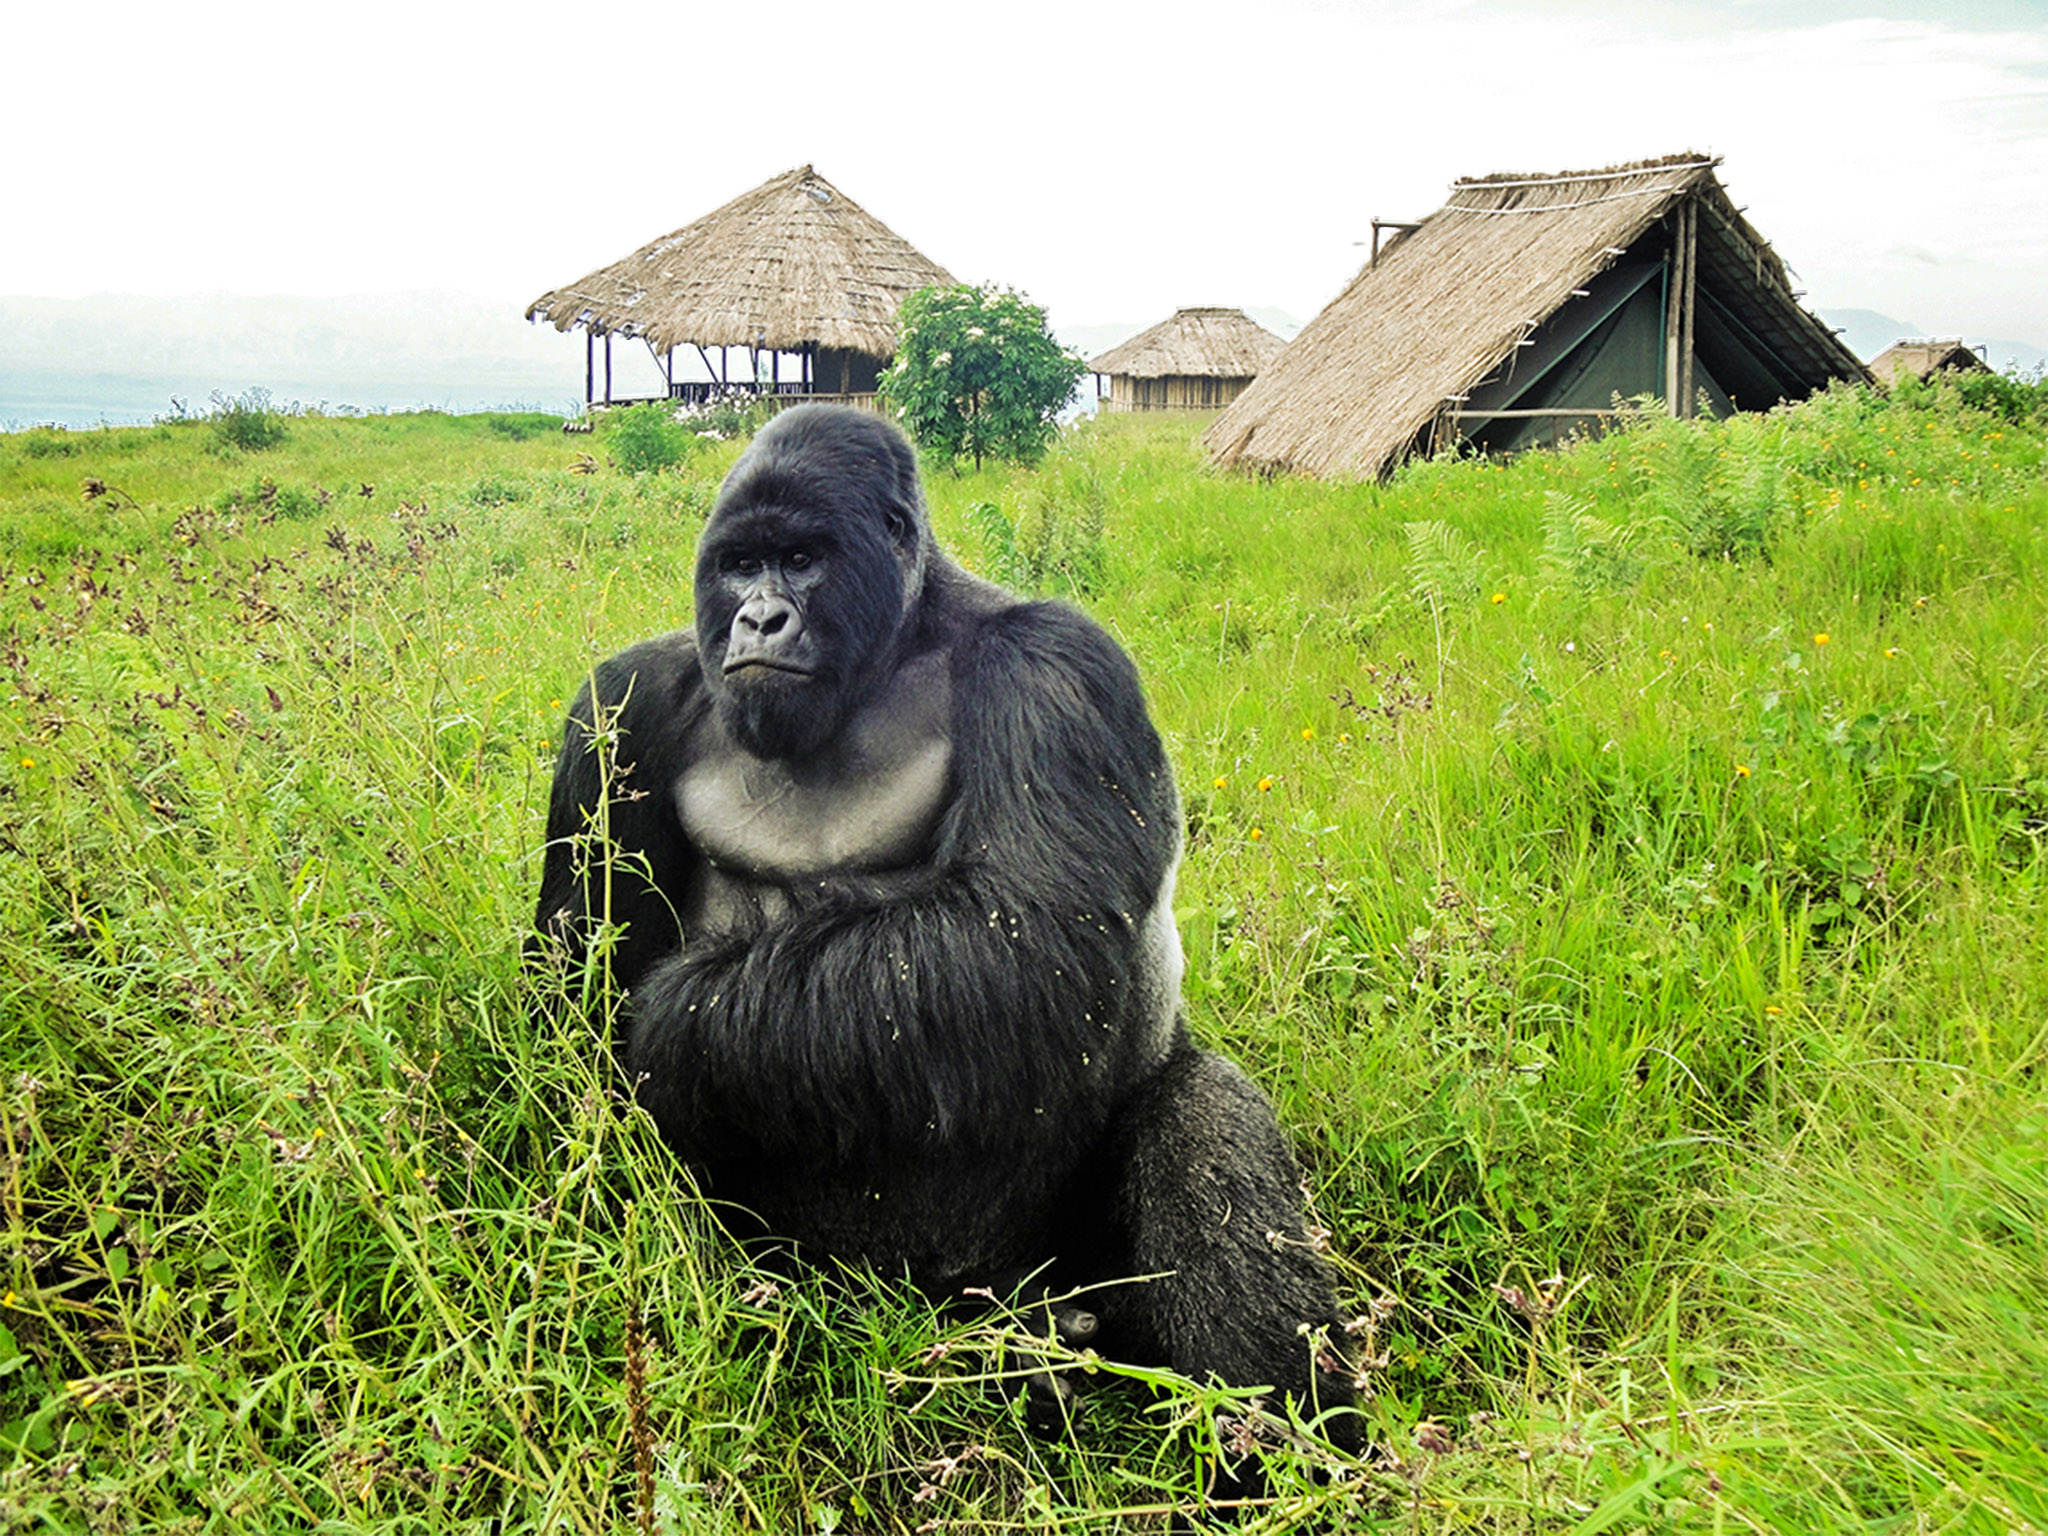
(1719, 485)
(1444, 566)
(978, 374)
(1052, 548)
(646, 438)
(245, 423)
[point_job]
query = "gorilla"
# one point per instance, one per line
(881, 857)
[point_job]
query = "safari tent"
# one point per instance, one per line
(794, 267)
(1522, 308)
(1923, 357)
(1196, 359)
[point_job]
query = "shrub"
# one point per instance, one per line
(245, 422)
(646, 438)
(978, 373)
(727, 413)
(49, 443)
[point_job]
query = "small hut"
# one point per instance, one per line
(1521, 309)
(1196, 360)
(1924, 357)
(793, 267)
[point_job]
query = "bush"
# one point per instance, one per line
(977, 373)
(246, 423)
(2015, 397)
(646, 438)
(728, 413)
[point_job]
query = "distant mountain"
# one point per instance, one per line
(124, 357)
(1868, 333)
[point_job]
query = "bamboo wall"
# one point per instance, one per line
(1177, 392)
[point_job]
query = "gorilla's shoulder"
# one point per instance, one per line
(661, 674)
(1047, 674)
(1052, 641)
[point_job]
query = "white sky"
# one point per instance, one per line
(1114, 159)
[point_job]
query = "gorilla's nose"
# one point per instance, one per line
(766, 617)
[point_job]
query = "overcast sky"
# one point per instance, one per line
(1114, 159)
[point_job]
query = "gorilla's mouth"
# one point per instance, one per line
(742, 664)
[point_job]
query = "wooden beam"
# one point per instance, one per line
(1674, 287)
(1686, 404)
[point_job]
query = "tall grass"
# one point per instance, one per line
(1623, 866)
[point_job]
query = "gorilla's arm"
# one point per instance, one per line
(998, 986)
(613, 846)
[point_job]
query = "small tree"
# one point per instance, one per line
(977, 373)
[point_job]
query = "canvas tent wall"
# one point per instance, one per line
(1526, 304)
(793, 267)
(1195, 359)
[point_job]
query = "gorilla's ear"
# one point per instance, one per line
(897, 521)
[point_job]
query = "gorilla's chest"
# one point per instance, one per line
(869, 806)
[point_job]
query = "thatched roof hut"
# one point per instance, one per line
(1923, 357)
(1525, 305)
(793, 266)
(1197, 359)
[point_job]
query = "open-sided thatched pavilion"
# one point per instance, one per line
(1194, 360)
(1923, 357)
(1523, 307)
(793, 267)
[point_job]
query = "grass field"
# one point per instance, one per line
(1623, 867)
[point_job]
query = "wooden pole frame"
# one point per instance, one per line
(1687, 406)
(1678, 309)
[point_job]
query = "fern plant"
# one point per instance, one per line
(1591, 554)
(1445, 567)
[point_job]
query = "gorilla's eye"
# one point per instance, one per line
(747, 565)
(797, 559)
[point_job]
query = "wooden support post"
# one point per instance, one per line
(589, 365)
(607, 367)
(1686, 404)
(1674, 289)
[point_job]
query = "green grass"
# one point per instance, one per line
(1656, 991)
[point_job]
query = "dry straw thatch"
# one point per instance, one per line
(1194, 343)
(791, 265)
(1924, 357)
(1448, 302)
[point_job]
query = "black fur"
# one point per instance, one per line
(954, 1051)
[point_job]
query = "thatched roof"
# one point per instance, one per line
(793, 262)
(1447, 302)
(1924, 356)
(1194, 343)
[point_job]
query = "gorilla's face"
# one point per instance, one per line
(806, 576)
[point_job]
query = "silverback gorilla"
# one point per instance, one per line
(892, 852)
